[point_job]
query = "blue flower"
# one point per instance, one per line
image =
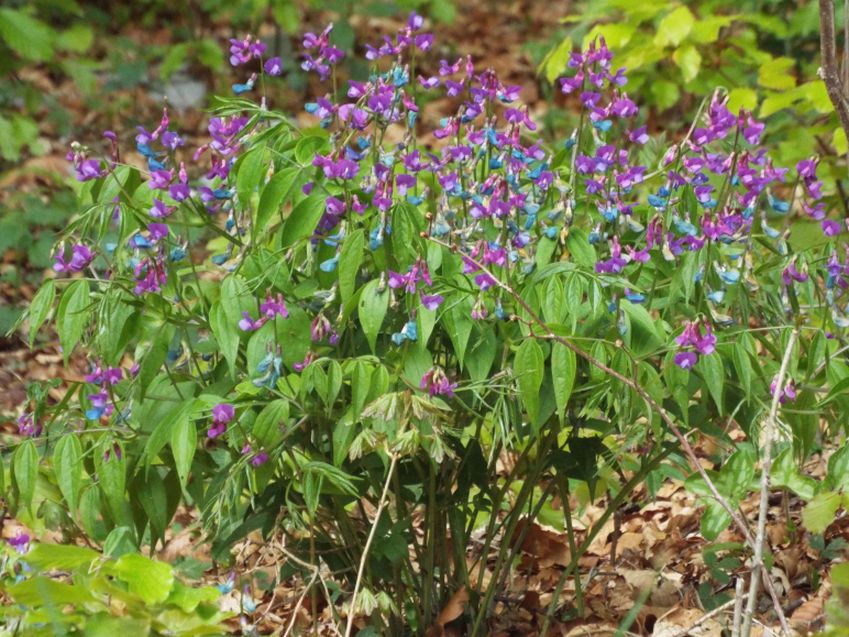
(730, 276)
(329, 265)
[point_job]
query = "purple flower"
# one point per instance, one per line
(274, 307)
(159, 210)
(788, 394)
(28, 426)
(222, 414)
(89, 169)
(247, 324)
(791, 273)
(81, 258)
(437, 383)
(273, 66)
(830, 227)
(431, 301)
(160, 179)
(20, 542)
(686, 360)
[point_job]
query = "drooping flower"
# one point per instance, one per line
(222, 414)
(437, 383)
(81, 258)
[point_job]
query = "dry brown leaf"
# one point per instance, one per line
(451, 611)
(674, 621)
(810, 612)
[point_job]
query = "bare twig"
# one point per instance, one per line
(361, 570)
(738, 519)
(707, 616)
(738, 607)
(768, 438)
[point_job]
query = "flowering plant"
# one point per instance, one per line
(287, 324)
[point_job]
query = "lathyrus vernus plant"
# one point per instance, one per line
(339, 333)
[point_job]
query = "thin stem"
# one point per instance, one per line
(364, 558)
(767, 442)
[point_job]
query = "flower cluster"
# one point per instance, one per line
(695, 342)
(222, 414)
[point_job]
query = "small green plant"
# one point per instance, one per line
(71, 590)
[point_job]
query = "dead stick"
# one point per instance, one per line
(701, 620)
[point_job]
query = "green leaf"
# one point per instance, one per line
(25, 472)
(563, 366)
(71, 315)
(40, 307)
(689, 60)
(267, 427)
(173, 60)
(746, 98)
(188, 598)
(706, 30)
(714, 520)
(156, 356)
(528, 368)
(312, 490)
(162, 433)
(555, 61)
(275, 193)
(777, 74)
(43, 592)
(149, 579)
(61, 557)
(303, 219)
(713, 373)
(841, 147)
(645, 337)
(785, 473)
(112, 474)
(350, 259)
(252, 168)
(308, 147)
(819, 513)
(674, 27)
(184, 440)
(371, 310)
(360, 383)
(226, 333)
(68, 466)
(29, 38)
(458, 323)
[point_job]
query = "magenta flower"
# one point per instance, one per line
(274, 307)
(788, 394)
(248, 324)
(20, 542)
(273, 66)
(431, 301)
(437, 383)
(81, 258)
(222, 414)
(686, 360)
(89, 169)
